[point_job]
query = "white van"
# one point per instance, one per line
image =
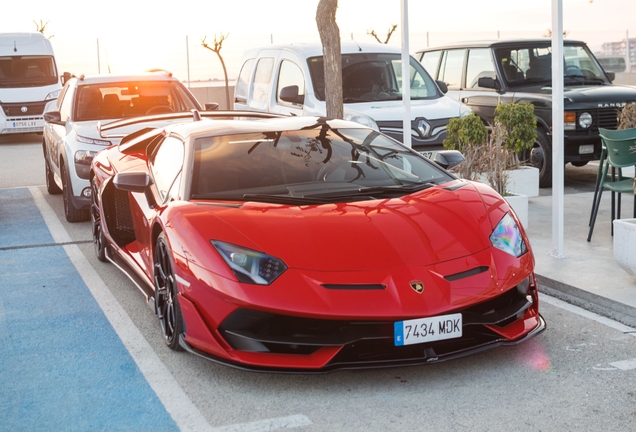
(289, 79)
(28, 80)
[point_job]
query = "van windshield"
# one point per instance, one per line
(370, 77)
(27, 71)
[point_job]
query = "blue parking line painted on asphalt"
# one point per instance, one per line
(62, 366)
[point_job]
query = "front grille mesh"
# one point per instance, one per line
(15, 109)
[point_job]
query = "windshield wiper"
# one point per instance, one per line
(374, 190)
(585, 79)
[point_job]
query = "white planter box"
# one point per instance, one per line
(625, 244)
(522, 181)
(519, 204)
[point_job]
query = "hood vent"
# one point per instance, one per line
(466, 273)
(354, 286)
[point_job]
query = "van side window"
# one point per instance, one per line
(450, 71)
(243, 83)
(480, 65)
(430, 60)
(290, 75)
(262, 78)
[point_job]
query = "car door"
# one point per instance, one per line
(483, 101)
(57, 133)
(165, 166)
(451, 71)
(289, 85)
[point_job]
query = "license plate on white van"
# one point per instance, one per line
(17, 124)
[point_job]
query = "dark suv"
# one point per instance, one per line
(484, 74)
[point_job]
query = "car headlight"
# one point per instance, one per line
(52, 95)
(362, 119)
(585, 120)
(507, 237)
(84, 156)
(248, 265)
(87, 140)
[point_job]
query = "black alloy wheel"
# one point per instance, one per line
(166, 302)
(72, 213)
(99, 241)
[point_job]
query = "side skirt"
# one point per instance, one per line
(128, 268)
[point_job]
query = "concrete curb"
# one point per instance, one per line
(594, 303)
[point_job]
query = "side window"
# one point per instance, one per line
(166, 167)
(480, 65)
(262, 79)
(66, 104)
(290, 75)
(450, 70)
(430, 60)
(243, 82)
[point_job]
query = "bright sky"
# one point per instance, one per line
(133, 32)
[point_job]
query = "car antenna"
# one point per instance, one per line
(355, 42)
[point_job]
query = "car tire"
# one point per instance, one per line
(579, 163)
(166, 301)
(540, 156)
(99, 241)
(72, 213)
(51, 187)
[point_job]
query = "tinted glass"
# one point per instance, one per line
(305, 163)
(430, 60)
(290, 75)
(479, 65)
(534, 65)
(27, 71)
(368, 77)
(166, 165)
(451, 68)
(130, 99)
(243, 82)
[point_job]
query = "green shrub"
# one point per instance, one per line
(520, 125)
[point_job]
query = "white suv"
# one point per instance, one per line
(289, 79)
(71, 138)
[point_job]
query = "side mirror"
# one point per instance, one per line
(132, 181)
(448, 159)
(290, 94)
(53, 117)
(442, 86)
(65, 77)
(211, 106)
(611, 76)
(488, 82)
(135, 181)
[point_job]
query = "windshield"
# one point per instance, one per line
(369, 77)
(309, 166)
(27, 71)
(130, 99)
(531, 65)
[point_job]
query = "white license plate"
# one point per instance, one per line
(427, 329)
(15, 124)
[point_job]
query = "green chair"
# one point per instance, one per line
(620, 152)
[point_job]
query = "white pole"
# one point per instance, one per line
(188, 59)
(406, 76)
(99, 69)
(628, 57)
(558, 166)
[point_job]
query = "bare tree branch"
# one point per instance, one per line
(216, 48)
(41, 27)
(388, 35)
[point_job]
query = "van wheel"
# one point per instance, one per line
(72, 213)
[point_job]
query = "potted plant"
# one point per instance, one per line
(493, 157)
